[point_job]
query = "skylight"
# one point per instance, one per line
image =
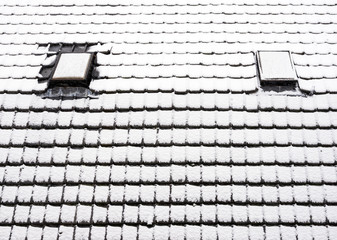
(276, 66)
(72, 68)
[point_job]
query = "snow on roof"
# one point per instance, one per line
(178, 140)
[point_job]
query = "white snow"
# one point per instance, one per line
(120, 136)
(83, 214)
(116, 193)
(68, 213)
(239, 193)
(15, 155)
(178, 154)
(178, 193)
(18, 232)
(208, 213)
(240, 232)
(318, 214)
(86, 194)
(122, 119)
(98, 232)
(6, 232)
(87, 173)
(6, 118)
(52, 214)
(162, 193)
(113, 232)
(130, 214)
(67, 232)
(104, 154)
(72, 174)
(76, 136)
(21, 214)
(132, 173)
(302, 214)
(81, 233)
(40, 194)
(37, 214)
(57, 174)
(331, 213)
(131, 193)
(179, 118)
(255, 214)
(146, 214)
(6, 214)
(270, 194)
(205, 118)
(5, 136)
(62, 137)
(178, 173)
(147, 193)
(55, 194)
(270, 213)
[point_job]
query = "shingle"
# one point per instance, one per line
(34, 232)
(25, 193)
(95, 104)
(40, 195)
(82, 233)
(55, 196)
(18, 137)
(70, 194)
(294, 119)
(21, 214)
(131, 193)
(68, 213)
(36, 214)
(179, 118)
(94, 119)
(18, 231)
(91, 137)
(6, 136)
(122, 119)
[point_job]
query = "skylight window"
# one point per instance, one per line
(276, 67)
(72, 69)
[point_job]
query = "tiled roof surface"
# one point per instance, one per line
(178, 141)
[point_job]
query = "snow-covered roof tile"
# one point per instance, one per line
(176, 139)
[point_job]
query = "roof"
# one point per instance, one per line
(177, 139)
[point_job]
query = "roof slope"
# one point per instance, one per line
(180, 141)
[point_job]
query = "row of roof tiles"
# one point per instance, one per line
(174, 232)
(125, 99)
(160, 194)
(182, 27)
(226, 59)
(179, 155)
(166, 3)
(169, 175)
(209, 214)
(135, 45)
(307, 21)
(162, 137)
(194, 42)
(149, 121)
(173, 9)
(178, 85)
